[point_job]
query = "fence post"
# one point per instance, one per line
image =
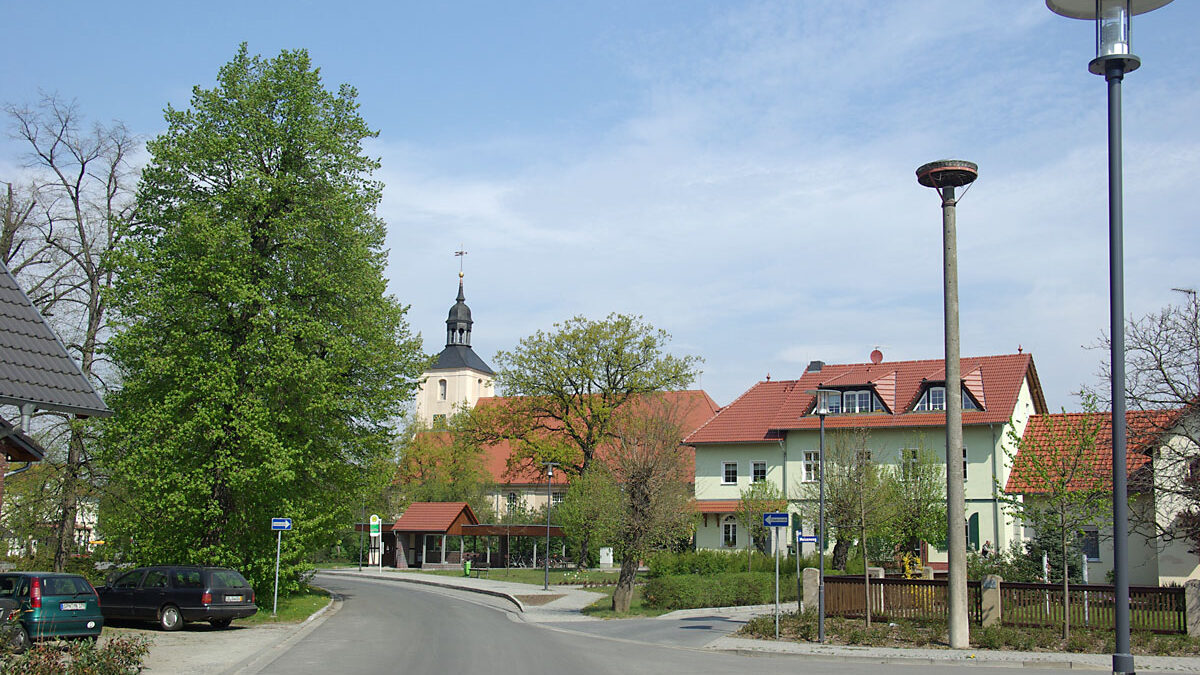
(1191, 594)
(990, 597)
(811, 586)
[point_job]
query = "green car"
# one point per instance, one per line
(48, 605)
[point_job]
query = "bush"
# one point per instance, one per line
(707, 562)
(118, 656)
(688, 591)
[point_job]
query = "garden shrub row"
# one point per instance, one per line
(727, 589)
(706, 562)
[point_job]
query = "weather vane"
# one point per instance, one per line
(459, 254)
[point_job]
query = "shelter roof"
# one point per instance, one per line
(18, 446)
(769, 409)
(35, 367)
(440, 517)
(716, 505)
(1050, 443)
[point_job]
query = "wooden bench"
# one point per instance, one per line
(479, 572)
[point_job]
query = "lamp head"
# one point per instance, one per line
(1112, 26)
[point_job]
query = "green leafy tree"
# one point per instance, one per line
(565, 388)
(919, 482)
(1068, 491)
(759, 498)
(262, 359)
(589, 511)
(443, 466)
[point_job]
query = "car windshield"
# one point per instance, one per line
(228, 579)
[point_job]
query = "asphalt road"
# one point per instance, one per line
(385, 627)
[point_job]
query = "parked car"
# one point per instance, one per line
(174, 594)
(46, 605)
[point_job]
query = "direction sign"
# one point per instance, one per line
(810, 539)
(374, 525)
(281, 523)
(775, 520)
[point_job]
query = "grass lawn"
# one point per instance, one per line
(602, 608)
(526, 575)
(291, 609)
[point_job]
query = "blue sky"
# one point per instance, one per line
(739, 173)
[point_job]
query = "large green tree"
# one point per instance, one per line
(260, 354)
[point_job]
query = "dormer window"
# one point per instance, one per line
(857, 401)
(831, 401)
(935, 399)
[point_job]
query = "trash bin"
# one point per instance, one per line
(466, 568)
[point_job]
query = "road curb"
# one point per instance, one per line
(427, 582)
(255, 663)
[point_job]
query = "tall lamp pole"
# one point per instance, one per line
(944, 176)
(549, 479)
(822, 411)
(1113, 60)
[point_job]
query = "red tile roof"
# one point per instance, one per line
(716, 505)
(1049, 440)
(697, 407)
(769, 408)
(445, 517)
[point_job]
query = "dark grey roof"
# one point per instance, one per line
(460, 356)
(34, 366)
(18, 446)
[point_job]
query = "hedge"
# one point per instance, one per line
(688, 591)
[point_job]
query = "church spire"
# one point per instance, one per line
(458, 323)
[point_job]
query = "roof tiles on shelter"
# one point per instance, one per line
(35, 367)
(444, 517)
(769, 408)
(1051, 441)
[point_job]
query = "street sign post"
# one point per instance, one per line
(278, 525)
(377, 539)
(775, 521)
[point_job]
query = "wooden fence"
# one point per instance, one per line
(896, 598)
(1160, 610)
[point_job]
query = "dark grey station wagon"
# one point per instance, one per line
(173, 594)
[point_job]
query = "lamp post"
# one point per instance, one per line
(549, 499)
(944, 176)
(1113, 60)
(821, 411)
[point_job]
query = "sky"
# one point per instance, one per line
(740, 174)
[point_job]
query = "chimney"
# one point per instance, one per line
(814, 367)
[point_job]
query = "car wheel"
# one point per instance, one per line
(221, 623)
(18, 639)
(169, 618)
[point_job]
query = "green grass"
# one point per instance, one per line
(602, 608)
(525, 575)
(292, 608)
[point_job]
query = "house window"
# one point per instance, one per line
(512, 501)
(812, 466)
(1089, 543)
(439, 421)
(831, 401)
(858, 402)
(556, 498)
(964, 462)
(441, 390)
(729, 532)
(760, 472)
(909, 458)
(935, 399)
(729, 473)
(968, 403)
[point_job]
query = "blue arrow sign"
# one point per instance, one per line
(775, 520)
(281, 524)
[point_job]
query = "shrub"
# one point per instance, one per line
(688, 591)
(707, 562)
(118, 656)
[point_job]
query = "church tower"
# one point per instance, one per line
(459, 378)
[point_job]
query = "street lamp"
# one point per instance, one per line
(821, 411)
(944, 176)
(1113, 60)
(549, 499)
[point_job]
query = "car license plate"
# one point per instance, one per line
(233, 598)
(73, 606)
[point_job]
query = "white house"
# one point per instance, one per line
(771, 433)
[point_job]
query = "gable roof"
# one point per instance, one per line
(697, 407)
(1049, 441)
(768, 409)
(444, 517)
(35, 367)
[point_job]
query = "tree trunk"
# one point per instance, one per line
(1066, 586)
(69, 505)
(623, 595)
(841, 551)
